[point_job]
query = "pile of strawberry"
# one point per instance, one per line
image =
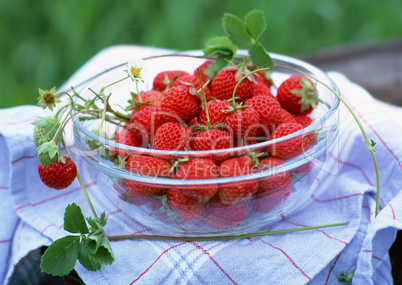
(202, 111)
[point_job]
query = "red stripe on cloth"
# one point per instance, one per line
(332, 267)
(22, 157)
(4, 188)
(392, 210)
(214, 261)
(22, 121)
(112, 213)
(335, 199)
(288, 257)
(48, 226)
(166, 250)
(354, 166)
(55, 197)
(18, 240)
(5, 241)
(327, 235)
(375, 132)
(370, 251)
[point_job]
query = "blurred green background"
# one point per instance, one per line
(43, 42)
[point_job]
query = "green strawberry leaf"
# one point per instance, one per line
(86, 259)
(92, 223)
(61, 256)
(74, 221)
(236, 30)
(255, 23)
(99, 248)
(260, 56)
(222, 48)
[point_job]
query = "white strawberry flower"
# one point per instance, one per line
(136, 69)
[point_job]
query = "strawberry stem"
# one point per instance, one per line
(238, 83)
(84, 189)
(204, 98)
(197, 238)
(368, 141)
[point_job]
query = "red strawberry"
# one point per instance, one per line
(215, 111)
(187, 209)
(269, 111)
(303, 120)
(165, 79)
(237, 192)
(148, 98)
(263, 78)
(146, 120)
(287, 117)
(291, 147)
(276, 182)
(267, 201)
(242, 123)
(125, 137)
(144, 165)
(214, 140)
(59, 174)
(198, 168)
(173, 136)
(192, 82)
(179, 105)
(222, 216)
(225, 82)
(207, 70)
(297, 94)
(148, 165)
(262, 89)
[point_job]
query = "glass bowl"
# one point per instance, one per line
(290, 184)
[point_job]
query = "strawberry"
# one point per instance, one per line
(269, 111)
(187, 209)
(194, 84)
(298, 95)
(276, 182)
(198, 168)
(212, 139)
(125, 137)
(242, 123)
(291, 147)
(303, 120)
(180, 105)
(149, 166)
(173, 136)
(58, 175)
(165, 79)
(262, 89)
(237, 192)
(129, 196)
(222, 216)
(147, 98)
(287, 117)
(145, 121)
(215, 111)
(263, 78)
(225, 82)
(267, 201)
(207, 70)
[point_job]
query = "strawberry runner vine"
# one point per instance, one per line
(88, 242)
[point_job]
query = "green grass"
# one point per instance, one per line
(43, 42)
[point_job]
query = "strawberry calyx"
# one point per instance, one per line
(48, 153)
(177, 163)
(202, 128)
(134, 104)
(308, 94)
(93, 144)
(172, 216)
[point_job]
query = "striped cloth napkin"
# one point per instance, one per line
(33, 214)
